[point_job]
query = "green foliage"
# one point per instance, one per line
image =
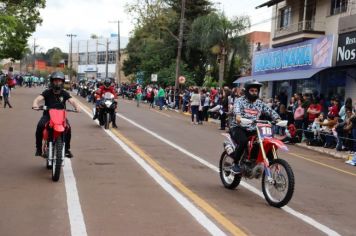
(18, 20)
(67, 71)
(153, 46)
(219, 38)
(209, 82)
(166, 76)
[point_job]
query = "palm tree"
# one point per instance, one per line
(216, 34)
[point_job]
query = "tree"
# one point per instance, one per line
(18, 20)
(216, 34)
(54, 56)
(156, 31)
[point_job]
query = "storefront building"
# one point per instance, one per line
(308, 57)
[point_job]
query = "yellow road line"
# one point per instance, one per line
(322, 164)
(229, 226)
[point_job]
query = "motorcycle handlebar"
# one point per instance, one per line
(45, 108)
(247, 121)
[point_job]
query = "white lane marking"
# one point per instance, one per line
(251, 188)
(76, 219)
(210, 226)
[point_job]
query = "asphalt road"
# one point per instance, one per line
(156, 175)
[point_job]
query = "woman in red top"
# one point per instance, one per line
(314, 110)
(334, 108)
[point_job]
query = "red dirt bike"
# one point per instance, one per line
(260, 159)
(53, 145)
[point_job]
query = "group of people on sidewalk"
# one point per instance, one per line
(5, 88)
(311, 117)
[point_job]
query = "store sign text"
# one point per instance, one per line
(346, 50)
(316, 53)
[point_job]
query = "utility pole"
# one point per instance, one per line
(34, 54)
(71, 55)
(118, 55)
(180, 43)
(107, 58)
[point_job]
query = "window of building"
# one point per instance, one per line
(92, 58)
(338, 6)
(112, 57)
(101, 57)
(285, 17)
(82, 59)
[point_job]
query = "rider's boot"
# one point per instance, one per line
(38, 152)
(236, 169)
(95, 115)
(68, 153)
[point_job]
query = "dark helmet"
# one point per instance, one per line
(107, 82)
(57, 75)
(252, 84)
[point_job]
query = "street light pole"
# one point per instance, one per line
(118, 54)
(70, 54)
(180, 43)
(106, 58)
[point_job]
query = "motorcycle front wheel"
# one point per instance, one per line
(57, 159)
(107, 120)
(229, 180)
(279, 190)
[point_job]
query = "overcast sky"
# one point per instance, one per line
(86, 17)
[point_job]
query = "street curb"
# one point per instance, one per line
(330, 152)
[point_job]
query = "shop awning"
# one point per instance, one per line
(269, 3)
(290, 75)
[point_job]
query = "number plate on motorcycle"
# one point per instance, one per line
(265, 130)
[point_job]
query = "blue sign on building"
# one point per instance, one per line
(315, 53)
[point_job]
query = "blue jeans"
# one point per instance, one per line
(195, 110)
(161, 102)
(354, 137)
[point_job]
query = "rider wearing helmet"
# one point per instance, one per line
(54, 97)
(106, 87)
(249, 107)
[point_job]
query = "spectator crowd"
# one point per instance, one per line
(312, 118)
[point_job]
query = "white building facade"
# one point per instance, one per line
(95, 58)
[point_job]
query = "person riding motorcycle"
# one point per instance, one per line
(106, 87)
(249, 107)
(54, 97)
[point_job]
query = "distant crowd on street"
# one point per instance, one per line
(312, 118)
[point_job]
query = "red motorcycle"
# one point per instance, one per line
(53, 145)
(260, 159)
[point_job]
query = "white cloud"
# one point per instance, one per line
(84, 17)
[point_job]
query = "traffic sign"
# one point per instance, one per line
(154, 77)
(181, 79)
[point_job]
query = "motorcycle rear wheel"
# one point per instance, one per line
(280, 192)
(57, 159)
(229, 180)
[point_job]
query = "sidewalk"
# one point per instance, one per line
(331, 152)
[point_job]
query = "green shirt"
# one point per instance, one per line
(161, 92)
